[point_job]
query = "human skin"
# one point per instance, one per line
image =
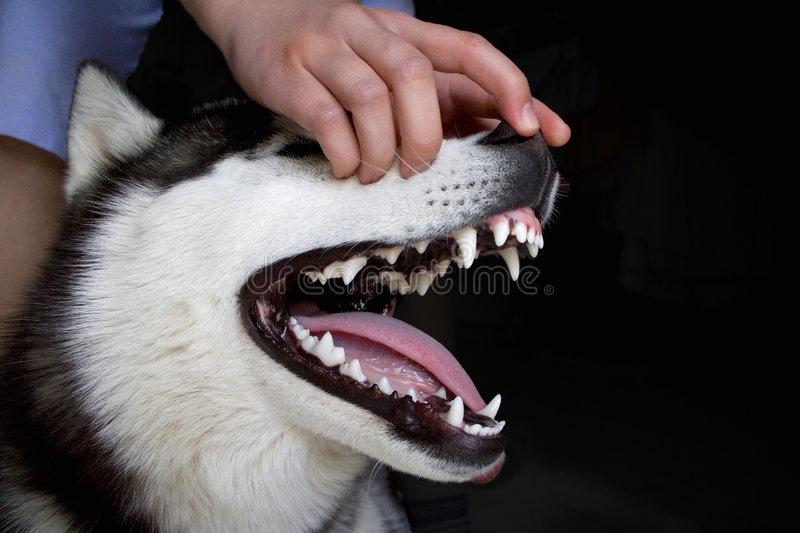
(366, 81)
(31, 202)
(363, 80)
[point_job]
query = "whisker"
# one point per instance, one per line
(373, 474)
(371, 165)
(405, 163)
(416, 154)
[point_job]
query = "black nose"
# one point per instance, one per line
(531, 166)
(504, 134)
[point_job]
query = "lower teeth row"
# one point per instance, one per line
(331, 356)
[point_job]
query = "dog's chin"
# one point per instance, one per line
(327, 316)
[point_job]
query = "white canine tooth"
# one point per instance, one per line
(455, 416)
(467, 239)
(308, 343)
(325, 343)
(396, 281)
(490, 432)
(345, 269)
(422, 281)
(521, 232)
(390, 254)
(473, 429)
(441, 267)
(501, 231)
(300, 332)
(531, 236)
(533, 249)
(352, 266)
(411, 392)
(511, 257)
(421, 246)
(335, 356)
(500, 425)
(353, 369)
(333, 270)
(540, 240)
(316, 275)
(329, 354)
(441, 393)
(491, 408)
(384, 386)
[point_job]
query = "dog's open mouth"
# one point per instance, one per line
(328, 316)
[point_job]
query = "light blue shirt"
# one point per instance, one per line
(42, 42)
(406, 6)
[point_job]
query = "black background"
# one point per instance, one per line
(643, 385)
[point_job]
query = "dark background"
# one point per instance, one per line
(642, 384)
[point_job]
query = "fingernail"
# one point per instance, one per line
(529, 120)
(375, 178)
(419, 168)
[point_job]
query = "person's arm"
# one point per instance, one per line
(31, 202)
(365, 80)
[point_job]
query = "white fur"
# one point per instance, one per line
(104, 124)
(182, 363)
(225, 438)
(37, 512)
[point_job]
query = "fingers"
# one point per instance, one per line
(556, 132)
(455, 51)
(461, 97)
(366, 80)
(361, 91)
(315, 108)
(390, 93)
(410, 77)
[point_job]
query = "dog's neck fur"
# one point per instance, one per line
(351, 495)
(264, 481)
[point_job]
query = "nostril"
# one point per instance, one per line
(503, 134)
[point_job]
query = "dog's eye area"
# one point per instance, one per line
(301, 149)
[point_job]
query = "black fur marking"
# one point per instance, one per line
(301, 149)
(181, 152)
(50, 439)
(46, 434)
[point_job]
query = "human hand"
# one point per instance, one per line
(365, 80)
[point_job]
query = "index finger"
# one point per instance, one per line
(456, 51)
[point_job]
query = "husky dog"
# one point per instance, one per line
(212, 347)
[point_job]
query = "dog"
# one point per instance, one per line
(211, 345)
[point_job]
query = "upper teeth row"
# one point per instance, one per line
(421, 279)
(525, 235)
(331, 356)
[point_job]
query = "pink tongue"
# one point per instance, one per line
(407, 340)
